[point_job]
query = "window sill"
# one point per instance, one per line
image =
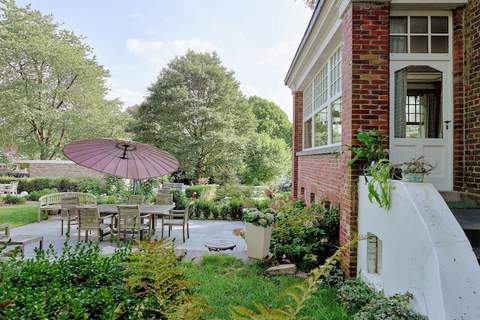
(321, 150)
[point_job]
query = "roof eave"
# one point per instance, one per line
(305, 37)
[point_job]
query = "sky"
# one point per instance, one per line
(134, 39)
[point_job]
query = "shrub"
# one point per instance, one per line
(82, 184)
(355, 294)
(305, 236)
(11, 199)
(105, 199)
(205, 209)
(180, 199)
(79, 284)
(396, 307)
(234, 191)
(199, 189)
(259, 218)
(232, 209)
(366, 304)
(35, 195)
(262, 204)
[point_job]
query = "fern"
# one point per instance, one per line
(155, 276)
(297, 294)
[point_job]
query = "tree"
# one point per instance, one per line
(311, 3)
(266, 159)
(52, 90)
(196, 111)
(271, 119)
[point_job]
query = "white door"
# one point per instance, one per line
(421, 117)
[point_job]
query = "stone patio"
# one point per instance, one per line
(201, 231)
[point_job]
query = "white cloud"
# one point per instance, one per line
(127, 96)
(248, 90)
(158, 53)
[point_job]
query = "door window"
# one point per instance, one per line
(418, 103)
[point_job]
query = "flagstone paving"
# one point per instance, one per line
(201, 231)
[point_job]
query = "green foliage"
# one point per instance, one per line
(379, 186)
(225, 281)
(234, 191)
(367, 304)
(195, 110)
(384, 308)
(12, 199)
(45, 75)
(83, 184)
(19, 214)
(232, 209)
(179, 199)
(271, 119)
(205, 209)
(155, 275)
(266, 159)
(145, 188)
(198, 189)
(105, 199)
(355, 294)
(372, 148)
(259, 218)
(298, 295)
(79, 284)
(115, 185)
(35, 195)
(305, 236)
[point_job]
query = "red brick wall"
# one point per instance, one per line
(458, 101)
(365, 63)
(297, 139)
(365, 104)
(472, 98)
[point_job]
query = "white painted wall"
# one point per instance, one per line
(424, 252)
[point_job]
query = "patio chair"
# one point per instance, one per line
(69, 211)
(129, 221)
(179, 218)
(89, 220)
(12, 189)
(136, 199)
(164, 198)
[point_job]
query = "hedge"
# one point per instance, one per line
(81, 184)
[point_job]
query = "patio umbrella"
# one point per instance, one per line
(126, 159)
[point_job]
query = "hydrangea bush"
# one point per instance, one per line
(259, 218)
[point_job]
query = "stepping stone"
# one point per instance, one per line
(283, 269)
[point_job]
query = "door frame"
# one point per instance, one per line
(440, 62)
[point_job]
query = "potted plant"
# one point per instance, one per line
(258, 232)
(416, 169)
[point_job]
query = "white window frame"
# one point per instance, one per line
(424, 56)
(327, 95)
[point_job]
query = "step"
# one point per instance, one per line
(469, 219)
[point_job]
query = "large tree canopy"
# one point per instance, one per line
(196, 111)
(52, 90)
(271, 119)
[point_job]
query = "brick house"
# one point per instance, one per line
(409, 68)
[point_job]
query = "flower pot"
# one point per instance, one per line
(258, 240)
(413, 177)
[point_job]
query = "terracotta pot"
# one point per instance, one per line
(258, 240)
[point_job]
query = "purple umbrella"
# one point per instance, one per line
(126, 159)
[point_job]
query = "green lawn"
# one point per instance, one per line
(19, 214)
(226, 281)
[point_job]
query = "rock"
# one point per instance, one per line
(282, 269)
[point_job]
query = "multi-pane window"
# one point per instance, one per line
(419, 34)
(322, 110)
(414, 117)
(335, 74)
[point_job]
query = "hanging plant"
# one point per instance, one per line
(379, 186)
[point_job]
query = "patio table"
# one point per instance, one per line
(156, 210)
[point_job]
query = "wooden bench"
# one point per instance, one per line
(9, 188)
(52, 202)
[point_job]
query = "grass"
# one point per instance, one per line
(226, 281)
(17, 215)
